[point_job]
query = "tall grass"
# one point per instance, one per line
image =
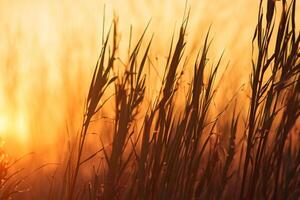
(160, 150)
(275, 95)
(179, 153)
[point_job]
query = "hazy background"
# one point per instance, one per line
(48, 50)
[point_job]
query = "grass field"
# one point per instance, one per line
(170, 129)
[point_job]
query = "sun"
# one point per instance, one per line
(3, 124)
(14, 126)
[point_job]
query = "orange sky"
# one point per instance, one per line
(48, 50)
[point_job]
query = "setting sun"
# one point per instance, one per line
(14, 126)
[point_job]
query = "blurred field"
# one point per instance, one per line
(48, 50)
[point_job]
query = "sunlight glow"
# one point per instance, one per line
(48, 50)
(14, 126)
(3, 124)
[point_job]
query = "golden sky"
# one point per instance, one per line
(48, 50)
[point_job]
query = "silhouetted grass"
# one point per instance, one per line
(176, 153)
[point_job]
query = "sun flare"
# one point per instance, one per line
(14, 126)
